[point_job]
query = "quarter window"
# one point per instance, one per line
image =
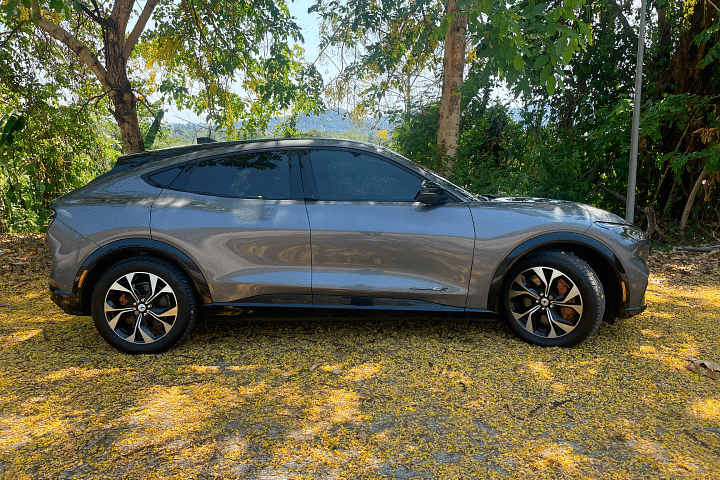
(257, 175)
(354, 176)
(164, 178)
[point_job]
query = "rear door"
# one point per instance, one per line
(242, 219)
(373, 244)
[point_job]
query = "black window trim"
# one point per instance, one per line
(309, 182)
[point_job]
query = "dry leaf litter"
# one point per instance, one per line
(363, 397)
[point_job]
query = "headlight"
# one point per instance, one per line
(625, 230)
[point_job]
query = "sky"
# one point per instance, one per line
(309, 24)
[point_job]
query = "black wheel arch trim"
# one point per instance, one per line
(148, 247)
(558, 240)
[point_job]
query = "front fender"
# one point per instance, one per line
(485, 287)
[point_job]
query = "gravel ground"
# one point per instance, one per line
(362, 397)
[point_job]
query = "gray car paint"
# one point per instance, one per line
(245, 247)
(391, 250)
(425, 253)
(501, 226)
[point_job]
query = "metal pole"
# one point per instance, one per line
(632, 177)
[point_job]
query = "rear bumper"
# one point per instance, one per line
(68, 301)
(631, 312)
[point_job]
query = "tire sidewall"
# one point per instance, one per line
(580, 273)
(174, 277)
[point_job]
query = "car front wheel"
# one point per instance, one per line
(144, 305)
(553, 298)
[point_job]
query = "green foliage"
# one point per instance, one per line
(415, 135)
(153, 130)
(9, 126)
(55, 153)
(528, 43)
(240, 57)
(392, 48)
(484, 164)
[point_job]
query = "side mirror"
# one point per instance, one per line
(430, 193)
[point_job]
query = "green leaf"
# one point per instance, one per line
(550, 86)
(518, 62)
(713, 161)
(57, 5)
(540, 62)
(545, 74)
(154, 128)
(14, 124)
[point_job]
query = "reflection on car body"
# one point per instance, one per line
(172, 234)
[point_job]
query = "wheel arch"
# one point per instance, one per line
(101, 259)
(593, 252)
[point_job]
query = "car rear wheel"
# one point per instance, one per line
(553, 298)
(144, 305)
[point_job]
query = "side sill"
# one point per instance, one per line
(238, 308)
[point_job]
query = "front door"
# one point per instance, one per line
(373, 244)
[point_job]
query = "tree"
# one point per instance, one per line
(207, 42)
(448, 131)
(526, 42)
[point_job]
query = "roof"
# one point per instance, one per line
(132, 160)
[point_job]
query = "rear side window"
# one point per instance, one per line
(164, 178)
(256, 175)
(357, 177)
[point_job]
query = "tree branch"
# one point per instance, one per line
(11, 33)
(96, 15)
(77, 47)
(714, 6)
(137, 30)
(143, 101)
(121, 13)
(621, 16)
(82, 107)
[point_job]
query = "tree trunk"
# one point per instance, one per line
(120, 92)
(117, 48)
(691, 199)
(453, 71)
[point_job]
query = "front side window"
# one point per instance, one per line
(358, 177)
(256, 175)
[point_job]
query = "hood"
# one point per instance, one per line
(596, 214)
(503, 216)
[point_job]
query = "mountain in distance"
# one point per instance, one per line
(331, 124)
(333, 121)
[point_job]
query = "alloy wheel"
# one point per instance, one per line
(545, 302)
(140, 307)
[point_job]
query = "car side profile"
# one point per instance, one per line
(171, 234)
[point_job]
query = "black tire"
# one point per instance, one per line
(552, 298)
(144, 305)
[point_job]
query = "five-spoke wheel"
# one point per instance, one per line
(144, 305)
(553, 298)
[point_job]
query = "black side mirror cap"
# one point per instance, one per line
(431, 193)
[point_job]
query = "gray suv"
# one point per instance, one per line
(168, 235)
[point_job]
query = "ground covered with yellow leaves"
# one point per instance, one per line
(369, 397)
